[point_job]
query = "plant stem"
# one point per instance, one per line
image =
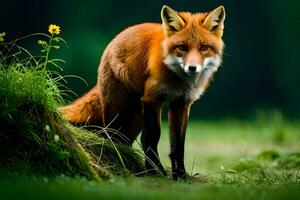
(48, 50)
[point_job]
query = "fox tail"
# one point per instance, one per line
(85, 110)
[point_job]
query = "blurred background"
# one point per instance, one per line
(261, 69)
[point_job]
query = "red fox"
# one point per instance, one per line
(148, 64)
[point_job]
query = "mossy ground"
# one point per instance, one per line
(34, 137)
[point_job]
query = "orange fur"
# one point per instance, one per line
(133, 72)
(84, 110)
(133, 63)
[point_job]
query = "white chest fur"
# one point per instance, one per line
(190, 86)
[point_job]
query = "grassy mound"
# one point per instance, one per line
(34, 137)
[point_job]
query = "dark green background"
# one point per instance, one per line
(261, 62)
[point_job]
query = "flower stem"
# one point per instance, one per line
(48, 50)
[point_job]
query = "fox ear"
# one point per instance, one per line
(214, 21)
(171, 21)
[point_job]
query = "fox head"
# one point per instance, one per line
(193, 43)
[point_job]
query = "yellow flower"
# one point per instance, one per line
(54, 29)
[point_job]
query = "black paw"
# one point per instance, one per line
(179, 175)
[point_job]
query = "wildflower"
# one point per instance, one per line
(1, 36)
(47, 128)
(54, 29)
(56, 138)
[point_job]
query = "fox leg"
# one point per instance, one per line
(150, 137)
(178, 117)
(120, 109)
(136, 125)
(132, 118)
(115, 103)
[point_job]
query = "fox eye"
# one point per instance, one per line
(204, 48)
(182, 47)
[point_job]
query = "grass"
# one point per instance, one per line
(44, 157)
(232, 139)
(137, 188)
(254, 166)
(34, 137)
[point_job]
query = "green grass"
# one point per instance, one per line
(137, 188)
(34, 136)
(210, 145)
(254, 167)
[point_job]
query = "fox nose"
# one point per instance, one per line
(192, 68)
